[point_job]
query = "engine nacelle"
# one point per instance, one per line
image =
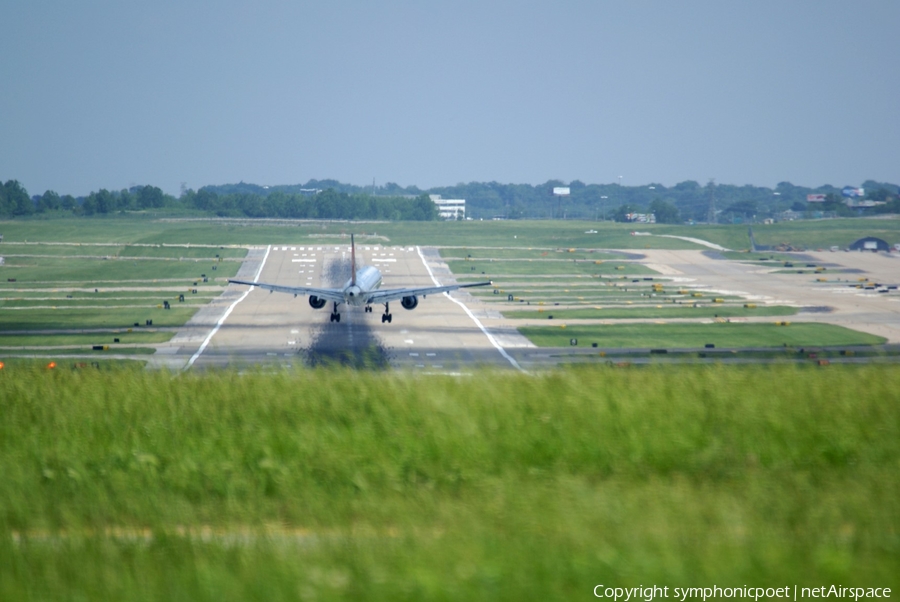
(410, 302)
(316, 303)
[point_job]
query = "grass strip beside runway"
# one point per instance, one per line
(537, 267)
(137, 336)
(332, 484)
(94, 317)
(669, 311)
(692, 335)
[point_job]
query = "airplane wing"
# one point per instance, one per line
(331, 294)
(392, 294)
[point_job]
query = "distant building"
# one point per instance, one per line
(789, 216)
(870, 243)
(450, 209)
(641, 218)
(862, 204)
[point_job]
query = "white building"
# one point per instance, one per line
(642, 218)
(452, 209)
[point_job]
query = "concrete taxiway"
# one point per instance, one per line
(831, 296)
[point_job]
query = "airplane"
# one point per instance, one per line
(361, 290)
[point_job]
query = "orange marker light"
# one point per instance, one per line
(1, 365)
(51, 365)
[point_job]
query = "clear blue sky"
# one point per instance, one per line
(107, 94)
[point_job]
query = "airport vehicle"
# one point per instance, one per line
(361, 290)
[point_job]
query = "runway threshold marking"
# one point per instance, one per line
(469, 313)
(228, 312)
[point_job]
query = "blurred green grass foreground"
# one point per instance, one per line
(330, 484)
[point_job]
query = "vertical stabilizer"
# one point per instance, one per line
(352, 261)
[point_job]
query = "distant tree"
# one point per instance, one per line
(49, 201)
(881, 194)
(150, 197)
(392, 188)
(745, 208)
(101, 201)
(424, 209)
(687, 186)
(206, 200)
(125, 200)
(832, 202)
(665, 212)
(187, 198)
(15, 200)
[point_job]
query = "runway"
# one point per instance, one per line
(277, 328)
(245, 327)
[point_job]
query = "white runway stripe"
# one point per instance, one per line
(490, 337)
(228, 312)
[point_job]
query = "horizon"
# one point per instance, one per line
(177, 194)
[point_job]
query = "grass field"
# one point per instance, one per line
(546, 234)
(113, 250)
(45, 285)
(138, 335)
(797, 334)
(63, 269)
(134, 485)
(592, 290)
(537, 267)
(96, 317)
(63, 354)
(665, 312)
(480, 253)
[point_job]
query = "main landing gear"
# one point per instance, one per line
(335, 316)
(387, 316)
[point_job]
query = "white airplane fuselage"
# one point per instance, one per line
(368, 279)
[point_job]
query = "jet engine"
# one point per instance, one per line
(316, 303)
(409, 302)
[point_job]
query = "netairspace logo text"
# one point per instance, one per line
(682, 594)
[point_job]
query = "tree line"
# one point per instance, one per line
(330, 199)
(325, 204)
